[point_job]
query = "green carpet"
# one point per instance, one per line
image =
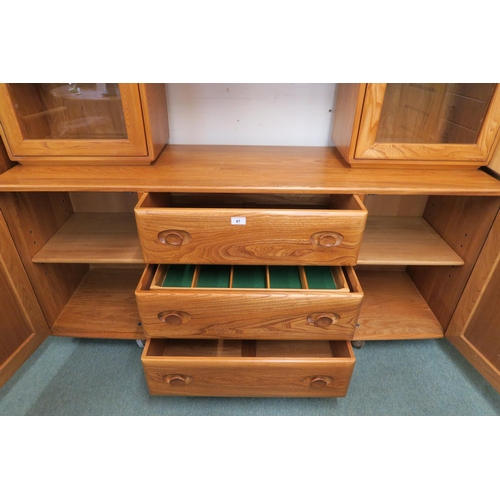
(104, 377)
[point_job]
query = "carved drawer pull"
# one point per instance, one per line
(318, 381)
(177, 379)
(323, 319)
(174, 318)
(327, 239)
(174, 237)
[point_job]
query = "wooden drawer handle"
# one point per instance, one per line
(174, 318)
(323, 319)
(327, 239)
(177, 379)
(318, 381)
(174, 237)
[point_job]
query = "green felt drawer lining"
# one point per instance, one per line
(284, 277)
(320, 277)
(218, 276)
(249, 277)
(214, 276)
(179, 275)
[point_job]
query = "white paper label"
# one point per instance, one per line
(238, 221)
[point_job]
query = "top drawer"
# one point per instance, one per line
(250, 229)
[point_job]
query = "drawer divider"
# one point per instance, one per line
(303, 278)
(231, 277)
(196, 276)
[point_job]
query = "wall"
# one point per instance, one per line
(278, 114)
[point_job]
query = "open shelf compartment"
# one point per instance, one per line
(404, 240)
(93, 238)
(103, 306)
(393, 308)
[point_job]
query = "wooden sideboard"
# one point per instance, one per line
(75, 231)
(412, 268)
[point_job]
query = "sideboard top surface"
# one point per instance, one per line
(250, 169)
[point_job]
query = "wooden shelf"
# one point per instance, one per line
(393, 309)
(94, 238)
(250, 169)
(110, 238)
(103, 306)
(404, 241)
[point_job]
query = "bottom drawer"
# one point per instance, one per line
(179, 367)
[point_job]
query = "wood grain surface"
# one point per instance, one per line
(94, 238)
(259, 314)
(250, 169)
(473, 329)
(234, 375)
(393, 309)
(23, 327)
(268, 235)
(389, 240)
(103, 306)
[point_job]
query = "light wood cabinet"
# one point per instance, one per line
(45, 123)
(409, 243)
(422, 237)
(436, 124)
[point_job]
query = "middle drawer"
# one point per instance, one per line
(250, 229)
(249, 302)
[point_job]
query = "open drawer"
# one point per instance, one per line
(176, 367)
(249, 302)
(250, 229)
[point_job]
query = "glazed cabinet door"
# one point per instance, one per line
(22, 327)
(429, 122)
(72, 120)
(475, 327)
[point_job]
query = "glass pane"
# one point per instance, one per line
(69, 110)
(433, 113)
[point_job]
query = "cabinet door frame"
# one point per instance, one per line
(367, 148)
(22, 292)
(468, 311)
(134, 145)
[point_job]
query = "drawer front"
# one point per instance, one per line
(251, 235)
(249, 314)
(296, 375)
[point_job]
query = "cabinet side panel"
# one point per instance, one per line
(463, 222)
(495, 161)
(397, 205)
(348, 104)
(5, 162)
(154, 108)
(483, 330)
(15, 327)
(103, 202)
(32, 219)
(22, 326)
(474, 328)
